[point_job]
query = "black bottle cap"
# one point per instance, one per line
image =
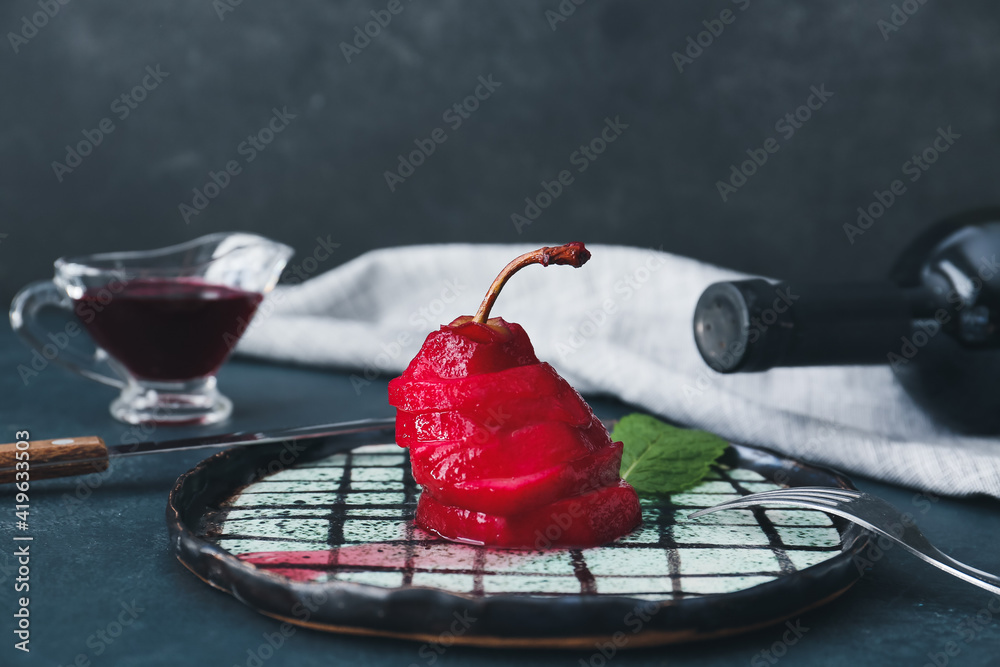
(723, 332)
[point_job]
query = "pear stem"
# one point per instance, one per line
(574, 254)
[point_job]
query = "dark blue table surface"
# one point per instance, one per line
(100, 556)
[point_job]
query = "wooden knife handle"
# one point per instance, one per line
(45, 459)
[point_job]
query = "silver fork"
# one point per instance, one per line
(869, 512)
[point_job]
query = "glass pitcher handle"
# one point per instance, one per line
(24, 320)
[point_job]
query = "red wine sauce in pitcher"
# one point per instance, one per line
(167, 330)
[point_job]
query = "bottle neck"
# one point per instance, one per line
(754, 325)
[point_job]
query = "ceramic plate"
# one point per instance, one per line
(324, 538)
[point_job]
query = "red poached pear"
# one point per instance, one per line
(507, 452)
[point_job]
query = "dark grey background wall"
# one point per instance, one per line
(656, 185)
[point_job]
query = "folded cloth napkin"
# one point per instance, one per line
(620, 325)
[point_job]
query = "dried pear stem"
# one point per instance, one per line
(574, 254)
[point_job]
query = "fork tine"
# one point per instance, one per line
(808, 495)
(729, 504)
(750, 501)
(826, 496)
(827, 492)
(778, 497)
(837, 495)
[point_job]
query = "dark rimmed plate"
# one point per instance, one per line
(322, 536)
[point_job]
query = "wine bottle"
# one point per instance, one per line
(934, 321)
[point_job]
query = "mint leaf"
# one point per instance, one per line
(660, 458)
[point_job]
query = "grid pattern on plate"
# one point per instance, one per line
(349, 517)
